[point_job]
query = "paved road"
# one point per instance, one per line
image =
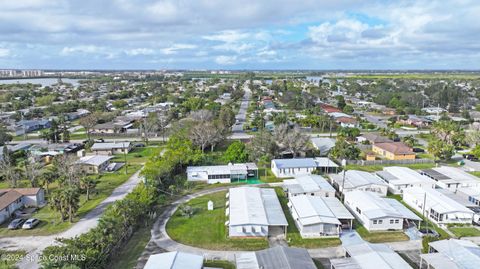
(34, 245)
(242, 112)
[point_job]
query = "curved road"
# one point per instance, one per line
(34, 245)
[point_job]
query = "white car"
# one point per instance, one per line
(30, 223)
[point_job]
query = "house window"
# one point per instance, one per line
(391, 221)
(380, 221)
(358, 210)
(397, 221)
(374, 221)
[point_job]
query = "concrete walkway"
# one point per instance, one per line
(34, 245)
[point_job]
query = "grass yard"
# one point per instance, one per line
(477, 173)
(270, 178)
(379, 237)
(128, 256)
(138, 155)
(294, 238)
(464, 231)
(8, 259)
(206, 229)
(50, 222)
(373, 168)
(219, 264)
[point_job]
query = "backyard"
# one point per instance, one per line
(379, 237)
(50, 222)
(206, 229)
(464, 231)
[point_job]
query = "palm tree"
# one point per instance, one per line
(88, 184)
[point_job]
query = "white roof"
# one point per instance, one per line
(397, 175)
(470, 191)
(107, 146)
(323, 144)
(250, 205)
(95, 160)
(325, 162)
(454, 253)
(222, 169)
(174, 260)
(374, 207)
(355, 179)
(436, 200)
(316, 209)
(295, 163)
(371, 256)
(308, 183)
(454, 175)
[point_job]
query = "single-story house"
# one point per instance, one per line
(358, 180)
(436, 206)
(314, 185)
(347, 122)
(464, 199)
(222, 173)
(329, 108)
(377, 213)
(174, 260)
(451, 254)
(373, 138)
(283, 168)
(278, 257)
(15, 198)
(254, 212)
(365, 255)
(398, 178)
(317, 216)
(451, 177)
(394, 151)
(94, 164)
(323, 144)
(27, 126)
(111, 148)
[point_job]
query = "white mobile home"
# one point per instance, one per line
(377, 213)
(278, 257)
(451, 254)
(438, 207)
(314, 185)
(319, 216)
(174, 259)
(359, 180)
(254, 212)
(451, 177)
(399, 178)
(283, 168)
(222, 173)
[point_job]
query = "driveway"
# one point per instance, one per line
(242, 112)
(34, 245)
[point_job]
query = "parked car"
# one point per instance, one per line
(418, 150)
(16, 224)
(470, 157)
(30, 224)
(428, 232)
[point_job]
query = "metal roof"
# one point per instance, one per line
(373, 256)
(107, 146)
(316, 209)
(325, 162)
(374, 206)
(436, 200)
(462, 254)
(174, 260)
(449, 174)
(275, 258)
(355, 179)
(397, 175)
(237, 168)
(95, 160)
(294, 163)
(250, 205)
(323, 144)
(307, 183)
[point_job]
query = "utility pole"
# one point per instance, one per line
(344, 165)
(125, 157)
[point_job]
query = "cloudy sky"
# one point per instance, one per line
(246, 34)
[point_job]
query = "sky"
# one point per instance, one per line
(246, 34)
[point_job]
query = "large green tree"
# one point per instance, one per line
(236, 153)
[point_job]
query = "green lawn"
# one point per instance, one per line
(270, 178)
(477, 174)
(219, 264)
(464, 231)
(8, 259)
(128, 256)
(50, 222)
(294, 238)
(379, 237)
(138, 155)
(373, 168)
(206, 229)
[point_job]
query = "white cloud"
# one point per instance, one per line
(228, 36)
(80, 49)
(177, 47)
(139, 51)
(4, 52)
(226, 60)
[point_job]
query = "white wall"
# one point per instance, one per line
(291, 172)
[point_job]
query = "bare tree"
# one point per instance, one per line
(202, 115)
(89, 122)
(68, 169)
(9, 171)
(204, 134)
(33, 170)
(149, 125)
(473, 134)
(291, 139)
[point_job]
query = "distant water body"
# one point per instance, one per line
(42, 81)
